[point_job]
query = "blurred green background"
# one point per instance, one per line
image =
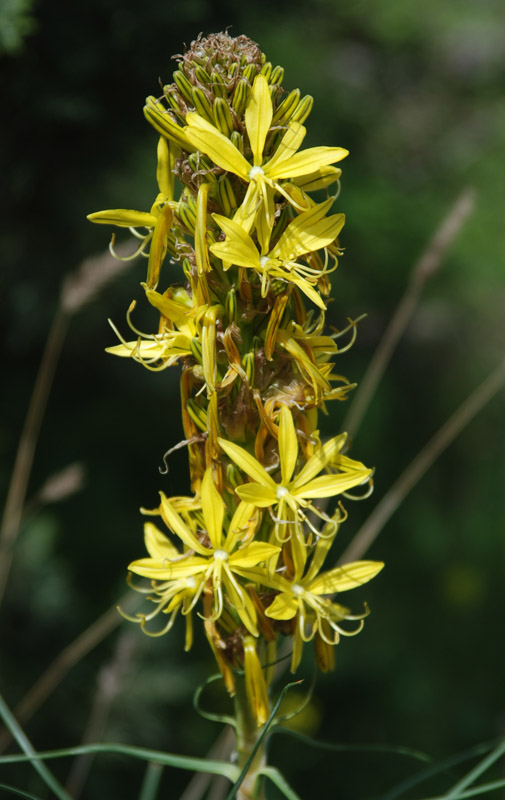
(416, 93)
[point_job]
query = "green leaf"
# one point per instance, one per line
(483, 788)
(211, 766)
(151, 782)
(476, 772)
(224, 718)
(30, 754)
(440, 766)
(280, 781)
(18, 792)
(353, 748)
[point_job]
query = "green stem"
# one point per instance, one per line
(247, 735)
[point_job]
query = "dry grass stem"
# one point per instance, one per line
(422, 462)
(109, 685)
(221, 749)
(423, 270)
(78, 288)
(94, 274)
(68, 658)
(18, 486)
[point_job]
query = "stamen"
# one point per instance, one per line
(255, 171)
(132, 326)
(139, 251)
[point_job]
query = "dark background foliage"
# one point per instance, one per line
(415, 92)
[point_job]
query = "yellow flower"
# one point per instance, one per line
(294, 493)
(214, 557)
(298, 491)
(310, 231)
(263, 178)
(158, 220)
(305, 599)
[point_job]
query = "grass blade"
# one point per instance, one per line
(444, 765)
(476, 772)
(423, 270)
(279, 780)
(387, 506)
(354, 748)
(18, 792)
(30, 754)
(483, 788)
(229, 771)
(151, 782)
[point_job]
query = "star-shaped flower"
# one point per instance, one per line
(294, 492)
(305, 598)
(307, 233)
(215, 557)
(262, 176)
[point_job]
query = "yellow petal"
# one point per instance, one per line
(201, 251)
(239, 525)
(288, 146)
(165, 168)
(178, 526)
(310, 231)
(163, 570)
(258, 117)
(288, 445)
(124, 218)
(159, 243)
(302, 284)
(284, 606)
(253, 554)
(257, 494)
(330, 485)
(320, 179)
(241, 601)
(246, 213)
(307, 161)
(170, 308)
(238, 248)
(209, 348)
(157, 544)
(213, 510)
(247, 463)
(320, 459)
(206, 138)
(349, 576)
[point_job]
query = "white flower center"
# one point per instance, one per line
(220, 555)
(190, 583)
(297, 590)
(264, 261)
(255, 171)
(281, 492)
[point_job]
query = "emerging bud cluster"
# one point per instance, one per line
(251, 249)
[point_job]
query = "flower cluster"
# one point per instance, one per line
(242, 311)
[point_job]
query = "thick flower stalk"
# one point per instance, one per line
(239, 242)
